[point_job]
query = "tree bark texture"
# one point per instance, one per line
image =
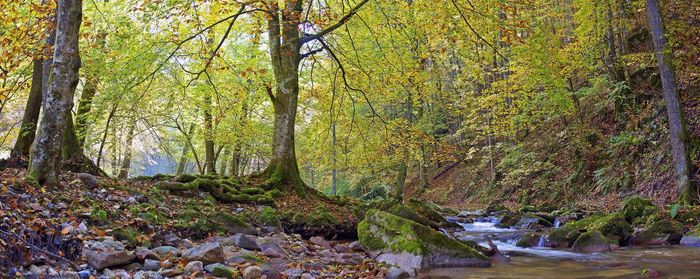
(27, 131)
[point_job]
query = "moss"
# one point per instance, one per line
(185, 178)
(410, 214)
(382, 231)
(528, 240)
(491, 208)
(592, 238)
(567, 234)
(161, 176)
(429, 212)
(175, 186)
(253, 191)
(98, 215)
(252, 258)
(147, 212)
(132, 236)
(229, 222)
(635, 207)
(268, 217)
(613, 226)
(225, 272)
(275, 193)
(32, 181)
(321, 216)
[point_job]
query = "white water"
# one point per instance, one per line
(484, 227)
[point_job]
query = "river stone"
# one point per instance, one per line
(692, 239)
(252, 272)
(151, 265)
(410, 245)
(396, 273)
(206, 253)
(163, 251)
(144, 274)
(320, 241)
(89, 180)
(592, 242)
(241, 241)
(107, 253)
(194, 267)
(221, 270)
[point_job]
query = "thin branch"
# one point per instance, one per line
(474, 31)
(331, 28)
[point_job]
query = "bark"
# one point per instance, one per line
(84, 107)
(183, 158)
(31, 114)
(234, 167)
(209, 160)
(126, 162)
(403, 165)
(284, 43)
(676, 122)
(58, 101)
(334, 174)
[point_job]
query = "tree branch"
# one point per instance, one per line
(342, 21)
(476, 33)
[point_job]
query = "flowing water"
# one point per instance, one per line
(542, 262)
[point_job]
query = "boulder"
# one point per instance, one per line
(692, 238)
(107, 253)
(592, 242)
(320, 241)
(206, 253)
(530, 240)
(89, 180)
(410, 245)
(147, 275)
(396, 273)
(194, 267)
(409, 213)
(151, 265)
(635, 207)
(614, 226)
(430, 211)
(658, 233)
(163, 251)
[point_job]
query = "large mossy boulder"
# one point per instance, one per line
(592, 242)
(637, 207)
(409, 213)
(431, 211)
(659, 232)
(410, 245)
(613, 226)
(565, 235)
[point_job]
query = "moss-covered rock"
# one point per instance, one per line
(493, 208)
(635, 207)
(659, 232)
(593, 241)
(509, 219)
(175, 186)
(410, 214)
(399, 238)
(253, 191)
(529, 240)
(184, 178)
(268, 216)
(568, 233)
(430, 211)
(233, 224)
(613, 226)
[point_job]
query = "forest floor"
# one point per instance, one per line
(79, 228)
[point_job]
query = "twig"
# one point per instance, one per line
(39, 249)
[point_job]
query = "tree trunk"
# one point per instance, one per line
(334, 174)
(284, 44)
(403, 165)
(126, 162)
(183, 158)
(209, 164)
(31, 114)
(58, 101)
(84, 107)
(676, 122)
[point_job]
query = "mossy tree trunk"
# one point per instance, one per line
(31, 114)
(126, 162)
(209, 160)
(679, 139)
(57, 103)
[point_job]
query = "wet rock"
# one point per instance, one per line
(221, 270)
(147, 275)
(530, 240)
(592, 242)
(306, 276)
(151, 265)
(206, 253)
(107, 253)
(396, 273)
(89, 180)
(194, 267)
(411, 245)
(320, 241)
(252, 272)
(242, 241)
(84, 274)
(636, 207)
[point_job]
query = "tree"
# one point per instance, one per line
(676, 121)
(285, 43)
(31, 114)
(57, 103)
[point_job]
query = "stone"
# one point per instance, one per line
(69, 275)
(294, 272)
(171, 272)
(132, 267)
(117, 273)
(396, 273)
(108, 253)
(635, 207)
(274, 248)
(221, 270)
(84, 274)
(271, 273)
(206, 253)
(592, 242)
(320, 241)
(356, 246)
(410, 245)
(143, 274)
(252, 272)
(143, 253)
(89, 180)
(342, 248)
(163, 251)
(194, 267)
(273, 253)
(242, 241)
(306, 276)
(151, 265)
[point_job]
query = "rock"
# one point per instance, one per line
(592, 242)
(206, 253)
(356, 246)
(163, 251)
(252, 272)
(143, 253)
(342, 248)
(320, 241)
(194, 267)
(613, 226)
(509, 219)
(658, 233)
(147, 275)
(151, 265)
(410, 245)
(306, 276)
(241, 241)
(635, 207)
(172, 240)
(84, 274)
(273, 249)
(273, 253)
(530, 240)
(107, 253)
(430, 211)
(89, 180)
(221, 270)
(270, 272)
(69, 275)
(409, 213)
(171, 272)
(396, 273)
(349, 259)
(132, 267)
(117, 273)
(294, 272)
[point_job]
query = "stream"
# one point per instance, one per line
(543, 262)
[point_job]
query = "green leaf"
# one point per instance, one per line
(674, 210)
